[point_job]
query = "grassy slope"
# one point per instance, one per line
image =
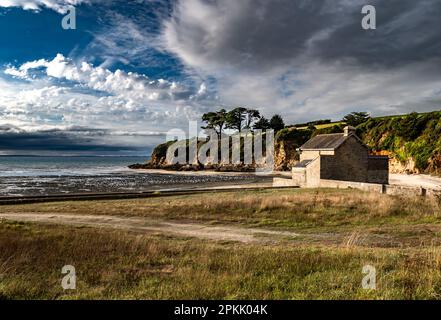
(112, 264)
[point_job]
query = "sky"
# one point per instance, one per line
(132, 71)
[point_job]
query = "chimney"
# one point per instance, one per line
(349, 130)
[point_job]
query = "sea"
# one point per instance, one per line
(29, 176)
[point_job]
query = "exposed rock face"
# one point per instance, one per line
(434, 165)
(286, 155)
(159, 155)
(397, 166)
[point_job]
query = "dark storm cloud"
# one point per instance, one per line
(273, 33)
(72, 140)
(407, 31)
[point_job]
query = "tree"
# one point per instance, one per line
(356, 118)
(250, 117)
(277, 123)
(215, 121)
(235, 118)
(262, 124)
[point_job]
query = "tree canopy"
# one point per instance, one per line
(356, 118)
(216, 121)
(277, 123)
(262, 124)
(239, 119)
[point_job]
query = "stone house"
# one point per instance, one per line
(339, 157)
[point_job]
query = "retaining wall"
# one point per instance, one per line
(381, 188)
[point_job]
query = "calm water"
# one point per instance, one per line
(20, 176)
(64, 166)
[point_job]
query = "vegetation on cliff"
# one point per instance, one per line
(410, 138)
(412, 141)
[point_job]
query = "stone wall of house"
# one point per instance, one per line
(299, 176)
(350, 162)
(309, 155)
(378, 169)
(313, 173)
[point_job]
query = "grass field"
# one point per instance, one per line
(323, 126)
(340, 232)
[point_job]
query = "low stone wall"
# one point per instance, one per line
(404, 191)
(371, 187)
(368, 187)
(283, 182)
(381, 188)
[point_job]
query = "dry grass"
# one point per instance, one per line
(278, 209)
(112, 265)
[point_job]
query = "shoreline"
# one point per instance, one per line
(211, 173)
(129, 181)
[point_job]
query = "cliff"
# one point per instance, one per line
(413, 143)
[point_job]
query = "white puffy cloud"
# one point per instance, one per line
(61, 93)
(129, 86)
(60, 6)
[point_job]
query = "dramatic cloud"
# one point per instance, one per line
(57, 5)
(61, 141)
(312, 58)
(258, 33)
(75, 140)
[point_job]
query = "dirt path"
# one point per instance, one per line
(225, 233)
(381, 236)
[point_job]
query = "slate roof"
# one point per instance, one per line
(303, 164)
(325, 142)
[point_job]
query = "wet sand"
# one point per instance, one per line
(133, 181)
